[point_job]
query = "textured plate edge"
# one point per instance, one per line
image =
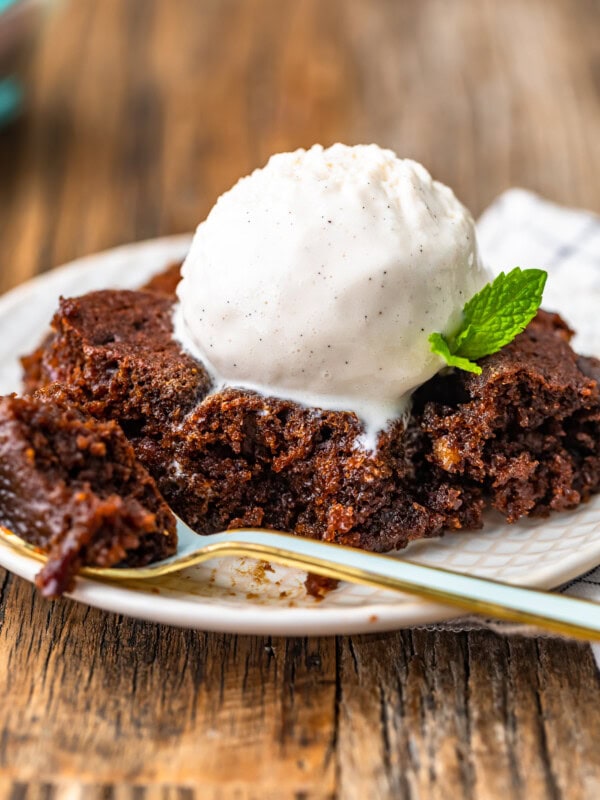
(256, 620)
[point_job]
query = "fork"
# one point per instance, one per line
(555, 613)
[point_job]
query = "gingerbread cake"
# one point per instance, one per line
(522, 436)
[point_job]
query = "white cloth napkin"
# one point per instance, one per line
(522, 229)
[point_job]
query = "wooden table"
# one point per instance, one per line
(141, 113)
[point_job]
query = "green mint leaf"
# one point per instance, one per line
(440, 346)
(500, 311)
(492, 318)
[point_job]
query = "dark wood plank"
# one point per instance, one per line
(104, 699)
(141, 113)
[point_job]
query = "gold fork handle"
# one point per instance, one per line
(556, 613)
(553, 612)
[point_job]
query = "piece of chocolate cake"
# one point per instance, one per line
(165, 282)
(71, 486)
(241, 459)
(527, 430)
(114, 352)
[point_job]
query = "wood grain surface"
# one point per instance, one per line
(141, 113)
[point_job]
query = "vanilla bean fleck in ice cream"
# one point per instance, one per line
(320, 277)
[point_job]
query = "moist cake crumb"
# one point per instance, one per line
(71, 486)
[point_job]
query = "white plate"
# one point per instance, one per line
(241, 596)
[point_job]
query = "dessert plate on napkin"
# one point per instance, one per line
(249, 597)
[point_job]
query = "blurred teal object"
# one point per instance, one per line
(11, 97)
(20, 23)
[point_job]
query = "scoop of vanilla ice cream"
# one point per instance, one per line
(320, 277)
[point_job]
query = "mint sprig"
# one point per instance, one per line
(440, 346)
(492, 318)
